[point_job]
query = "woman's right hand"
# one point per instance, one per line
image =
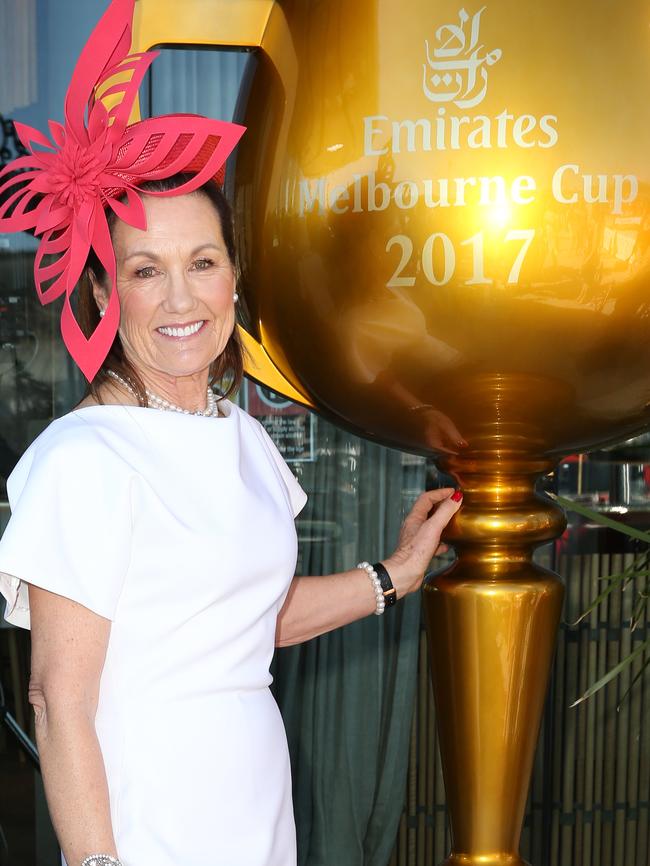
(419, 538)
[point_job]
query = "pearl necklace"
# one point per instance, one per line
(211, 410)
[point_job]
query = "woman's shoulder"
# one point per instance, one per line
(71, 432)
(67, 450)
(296, 495)
(62, 434)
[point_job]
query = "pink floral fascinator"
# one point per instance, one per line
(61, 188)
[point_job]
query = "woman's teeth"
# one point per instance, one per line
(182, 332)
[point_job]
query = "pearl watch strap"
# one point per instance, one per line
(101, 860)
(383, 595)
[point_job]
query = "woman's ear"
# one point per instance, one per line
(99, 292)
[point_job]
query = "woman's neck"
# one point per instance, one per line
(186, 392)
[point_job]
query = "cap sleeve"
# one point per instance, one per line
(70, 526)
(296, 494)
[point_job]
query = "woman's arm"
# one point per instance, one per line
(315, 605)
(68, 650)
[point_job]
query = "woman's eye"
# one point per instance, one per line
(145, 272)
(203, 264)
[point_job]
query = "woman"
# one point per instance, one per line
(164, 581)
(151, 550)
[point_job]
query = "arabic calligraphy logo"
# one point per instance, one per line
(458, 70)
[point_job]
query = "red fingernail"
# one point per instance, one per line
(457, 496)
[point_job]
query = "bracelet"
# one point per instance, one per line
(389, 591)
(379, 595)
(101, 860)
(385, 593)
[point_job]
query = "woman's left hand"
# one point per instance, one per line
(419, 538)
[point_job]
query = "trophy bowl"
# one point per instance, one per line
(442, 214)
(443, 225)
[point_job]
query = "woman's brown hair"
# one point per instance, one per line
(229, 364)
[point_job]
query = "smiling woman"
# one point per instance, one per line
(175, 282)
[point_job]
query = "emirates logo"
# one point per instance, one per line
(457, 71)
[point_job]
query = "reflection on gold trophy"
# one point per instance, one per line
(444, 229)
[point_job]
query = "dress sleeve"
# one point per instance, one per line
(70, 526)
(296, 494)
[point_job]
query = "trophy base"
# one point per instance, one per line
(492, 620)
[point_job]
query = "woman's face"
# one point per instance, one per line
(175, 284)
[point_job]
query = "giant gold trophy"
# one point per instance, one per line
(444, 233)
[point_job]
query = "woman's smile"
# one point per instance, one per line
(179, 331)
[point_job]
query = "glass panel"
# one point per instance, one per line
(38, 380)
(172, 85)
(39, 43)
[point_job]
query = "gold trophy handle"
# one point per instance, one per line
(238, 23)
(260, 367)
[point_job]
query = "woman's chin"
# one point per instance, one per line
(176, 360)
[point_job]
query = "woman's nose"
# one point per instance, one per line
(179, 297)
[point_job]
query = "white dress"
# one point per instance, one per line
(179, 529)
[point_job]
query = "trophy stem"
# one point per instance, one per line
(492, 620)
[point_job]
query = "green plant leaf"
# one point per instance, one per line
(600, 518)
(613, 672)
(624, 577)
(638, 610)
(621, 580)
(616, 580)
(637, 676)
